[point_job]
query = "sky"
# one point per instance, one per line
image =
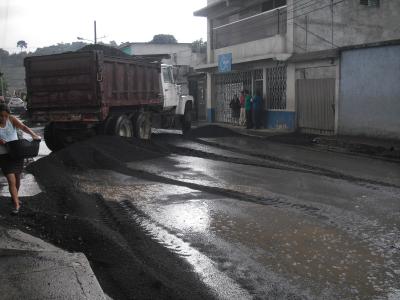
(48, 22)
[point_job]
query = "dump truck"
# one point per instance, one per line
(88, 92)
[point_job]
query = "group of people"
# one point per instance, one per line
(247, 109)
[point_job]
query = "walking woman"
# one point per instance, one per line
(12, 168)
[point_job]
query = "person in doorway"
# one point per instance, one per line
(248, 108)
(235, 108)
(257, 110)
(242, 118)
(12, 168)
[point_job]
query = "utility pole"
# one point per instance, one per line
(1, 84)
(306, 32)
(95, 33)
(332, 23)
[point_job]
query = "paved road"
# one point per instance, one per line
(288, 224)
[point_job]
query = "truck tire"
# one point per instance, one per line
(52, 138)
(143, 126)
(119, 126)
(187, 118)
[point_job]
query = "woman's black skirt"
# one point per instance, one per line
(11, 166)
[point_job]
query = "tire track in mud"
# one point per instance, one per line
(113, 164)
(292, 165)
(126, 261)
(123, 216)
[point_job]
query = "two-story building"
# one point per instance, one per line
(323, 66)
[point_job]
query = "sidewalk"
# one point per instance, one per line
(33, 269)
(387, 149)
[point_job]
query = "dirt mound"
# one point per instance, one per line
(107, 50)
(104, 151)
(127, 263)
(293, 138)
(114, 52)
(211, 131)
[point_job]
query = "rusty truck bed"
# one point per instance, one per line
(87, 85)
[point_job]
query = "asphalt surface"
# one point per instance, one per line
(224, 217)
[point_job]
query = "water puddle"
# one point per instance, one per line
(223, 286)
(29, 186)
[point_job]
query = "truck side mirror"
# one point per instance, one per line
(179, 89)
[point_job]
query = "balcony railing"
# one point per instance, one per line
(253, 28)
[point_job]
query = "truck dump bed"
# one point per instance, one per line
(87, 85)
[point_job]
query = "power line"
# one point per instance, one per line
(304, 5)
(314, 10)
(311, 32)
(316, 35)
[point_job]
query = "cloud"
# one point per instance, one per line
(47, 22)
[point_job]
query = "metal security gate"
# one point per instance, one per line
(316, 105)
(229, 86)
(276, 87)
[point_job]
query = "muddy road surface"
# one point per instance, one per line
(216, 215)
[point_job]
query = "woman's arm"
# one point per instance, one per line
(18, 124)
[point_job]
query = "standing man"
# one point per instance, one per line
(235, 108)
(247, 107)
(257, 109)
(242, 119)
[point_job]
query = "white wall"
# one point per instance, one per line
(181, 54)
(272, 45)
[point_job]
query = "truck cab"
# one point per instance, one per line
(169, 88)
(173, 97)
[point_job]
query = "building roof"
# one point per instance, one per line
(205, 10)
(128, 44)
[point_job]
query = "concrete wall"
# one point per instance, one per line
(272, 45)
(321, 69)
(15, 78)
(352, 24)
(181, 54)
(370, 92)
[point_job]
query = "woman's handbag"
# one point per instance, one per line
(23, 148)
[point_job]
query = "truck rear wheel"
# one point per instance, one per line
(143, 126)
(119, 126)
(187, 118)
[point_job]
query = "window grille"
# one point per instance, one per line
(276, 87)
(229, 86)
(373, 3)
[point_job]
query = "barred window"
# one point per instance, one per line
(373, 3)
(276, 87)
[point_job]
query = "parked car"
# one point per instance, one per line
(17, 105)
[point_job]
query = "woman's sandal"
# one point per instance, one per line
(15, 211)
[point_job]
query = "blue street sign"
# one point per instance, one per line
(225, 63)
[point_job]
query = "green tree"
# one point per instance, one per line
(22, 44)
(163, 39)
(3, 85)
(199, 46)
(113, 44)
(4, 53)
